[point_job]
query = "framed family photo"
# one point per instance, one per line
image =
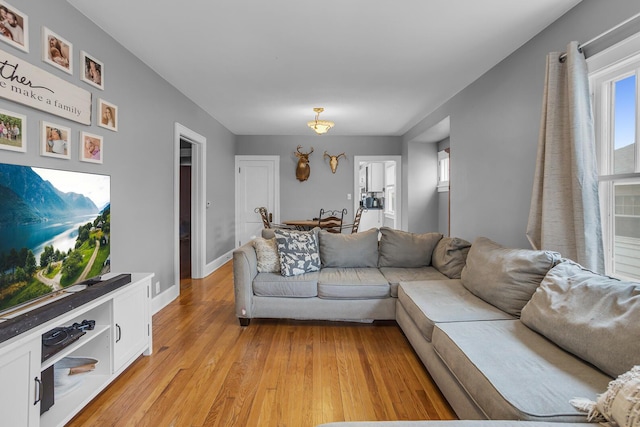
(57, 51)
(92, 70)
(14, 27)
(55, 140)
(91, 148)
(13, 129)
(108, 115)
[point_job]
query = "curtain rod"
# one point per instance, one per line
(618, 32)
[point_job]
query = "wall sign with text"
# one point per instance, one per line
(22, 82)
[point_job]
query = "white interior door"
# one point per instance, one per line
(257, 184)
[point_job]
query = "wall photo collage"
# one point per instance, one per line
(55, 139)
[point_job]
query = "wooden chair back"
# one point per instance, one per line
(331, 220)
(264, 215)
(356, 220)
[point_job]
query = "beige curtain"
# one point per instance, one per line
(565, 211)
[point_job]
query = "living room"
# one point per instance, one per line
(494, 122)
(494, 128)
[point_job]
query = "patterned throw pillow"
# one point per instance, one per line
(267, 254)
(618, 406)
(298, 252)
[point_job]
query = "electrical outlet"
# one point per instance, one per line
(348, 196)
(157, 288)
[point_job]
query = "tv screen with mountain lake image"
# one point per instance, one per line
(54, 231)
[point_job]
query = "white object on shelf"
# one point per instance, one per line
(69, 372)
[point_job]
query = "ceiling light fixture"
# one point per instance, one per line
(320, 126)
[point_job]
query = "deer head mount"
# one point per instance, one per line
(303, 169)
(333, 160)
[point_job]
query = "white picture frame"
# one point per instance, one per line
(20, 31)
(55, 140)
(91, 147)
(91, 70)
(13, 140)
(107, 115)
(57, 51)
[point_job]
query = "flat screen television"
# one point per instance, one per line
(55, 228)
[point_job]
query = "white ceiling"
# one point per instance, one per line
(377, 66)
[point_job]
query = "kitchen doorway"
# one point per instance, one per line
(378, 187)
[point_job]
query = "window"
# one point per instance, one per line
(443, 170)
(614, 82)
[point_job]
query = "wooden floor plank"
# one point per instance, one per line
(206, 370)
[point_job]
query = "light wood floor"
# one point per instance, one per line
(206, 370)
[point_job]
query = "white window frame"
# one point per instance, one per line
(443, 171)
(605, 68)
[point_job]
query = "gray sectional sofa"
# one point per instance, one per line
(354, 267)
(507, 334)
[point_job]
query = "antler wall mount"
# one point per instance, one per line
(333, 160)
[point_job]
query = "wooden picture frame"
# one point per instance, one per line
(13, 131)
(57, 51)
(107, 115)
(92, 70)
(91, 147)
(55, 140)
(14, 27)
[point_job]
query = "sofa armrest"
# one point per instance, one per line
(245, 269)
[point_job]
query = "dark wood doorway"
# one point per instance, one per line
(185, 209)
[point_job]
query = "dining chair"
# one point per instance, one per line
(356, 221)
(266, 219)
(331, 220)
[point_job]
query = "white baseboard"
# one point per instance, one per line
(163, 299)
(160, 301)
(217, 263)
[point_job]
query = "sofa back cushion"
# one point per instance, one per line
(401, 249)
(450, 255)
(349, 250)
(504, 277)
(595, 317)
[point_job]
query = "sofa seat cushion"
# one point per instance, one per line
(276, 285)
(352, 283)
(513, 372)
(395, 275)
(436, 301)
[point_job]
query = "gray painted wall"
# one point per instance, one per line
(494, 128)
(323, 189)
(140, 156)
(422, 180)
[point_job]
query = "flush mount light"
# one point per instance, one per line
(320, 126)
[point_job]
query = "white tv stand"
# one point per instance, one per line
(122, 332)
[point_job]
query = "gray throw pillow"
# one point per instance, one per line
(349, 250)
(503, 277)
(595, 317)
(450, 255)
(298, 251)
(402, 249)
